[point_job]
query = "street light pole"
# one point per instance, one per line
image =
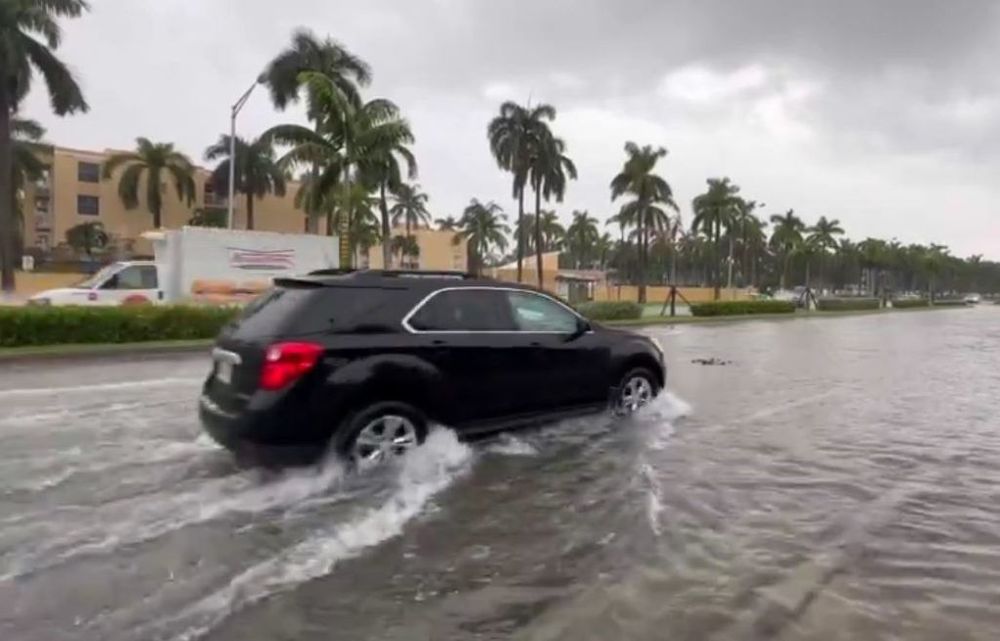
(235, 110)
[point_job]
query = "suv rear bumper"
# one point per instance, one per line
(251, 437)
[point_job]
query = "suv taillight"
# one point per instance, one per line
(287, 362)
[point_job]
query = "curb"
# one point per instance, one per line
(80, 351)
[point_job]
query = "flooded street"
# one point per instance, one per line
(839, 480)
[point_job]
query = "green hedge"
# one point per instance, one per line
(20, 326)
(910, 303)
(846, 304)
(952, 302)
(611, 310)
(743, 307)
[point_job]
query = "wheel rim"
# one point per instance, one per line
(384, 438)
(636, 392)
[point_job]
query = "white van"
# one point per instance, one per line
(122, 283)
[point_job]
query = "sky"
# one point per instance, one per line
(884, 114)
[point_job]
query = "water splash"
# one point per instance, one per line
(422, 474)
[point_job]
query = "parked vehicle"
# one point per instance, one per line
(973, 299)
(121, 283)
(200, 264)
(364, 362)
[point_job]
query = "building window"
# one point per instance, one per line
(88, 172)
(88, 205)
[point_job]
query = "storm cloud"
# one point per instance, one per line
(884, 114)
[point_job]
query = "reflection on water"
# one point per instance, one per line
(836, 481)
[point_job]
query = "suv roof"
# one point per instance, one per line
(394, 279)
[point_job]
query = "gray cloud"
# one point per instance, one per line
(855, 109)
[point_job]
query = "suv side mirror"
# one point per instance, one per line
(582, 327)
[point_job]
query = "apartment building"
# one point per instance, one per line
(73, 192)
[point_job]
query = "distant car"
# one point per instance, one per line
(973, 299)
(365, 362)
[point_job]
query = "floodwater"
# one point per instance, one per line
(840, 479)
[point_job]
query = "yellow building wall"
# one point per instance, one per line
(271, 213)
(658, 294)
(437, 251)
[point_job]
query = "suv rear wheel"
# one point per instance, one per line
(637, 388)
(380, 432)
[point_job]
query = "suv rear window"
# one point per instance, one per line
(302, 309)
(470, 310)
(271, 313)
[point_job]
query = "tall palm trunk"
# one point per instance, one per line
(345, 220)
(716, 266)
(386, 249)
(157, 218)
(6, 195)
(250, 210)
(642, 253)
(538, 233)
(520, 234)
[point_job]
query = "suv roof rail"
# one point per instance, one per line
(421, 273)
(332, 271)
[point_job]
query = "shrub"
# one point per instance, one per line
(846, 304)
(21, 326)
(950, 302)
(910, 303)
(611, 310)
(742, 307)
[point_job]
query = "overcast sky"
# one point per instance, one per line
(884, 114)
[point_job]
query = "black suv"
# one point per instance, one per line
(364, 361)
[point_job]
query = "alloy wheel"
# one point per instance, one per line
(384, 438)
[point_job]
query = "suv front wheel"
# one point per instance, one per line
(637, 389)
(380, 432)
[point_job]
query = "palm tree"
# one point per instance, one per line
(157, 163)
(350, 144)
(649, 192)
(510, 134)
(258, 173)
(787, 235)
(21, 54)
(86, 237)
(483, 228)
(603, 247)
(581, 238)
(26, 166)
(823, 235)
(713, 210)
(405, 246)
(874, 255)
(448, 223)
(315, 198)
(384, 170)
(307, 53)
(355, 212)
(410, 208)
(548, 170)
(552, 231)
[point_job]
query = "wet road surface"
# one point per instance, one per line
(837, 480)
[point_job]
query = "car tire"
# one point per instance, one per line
(380, 432)
(637, 388)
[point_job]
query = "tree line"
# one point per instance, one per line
(357, 172)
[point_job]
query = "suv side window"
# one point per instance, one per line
(468, 310)
(537, 313)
